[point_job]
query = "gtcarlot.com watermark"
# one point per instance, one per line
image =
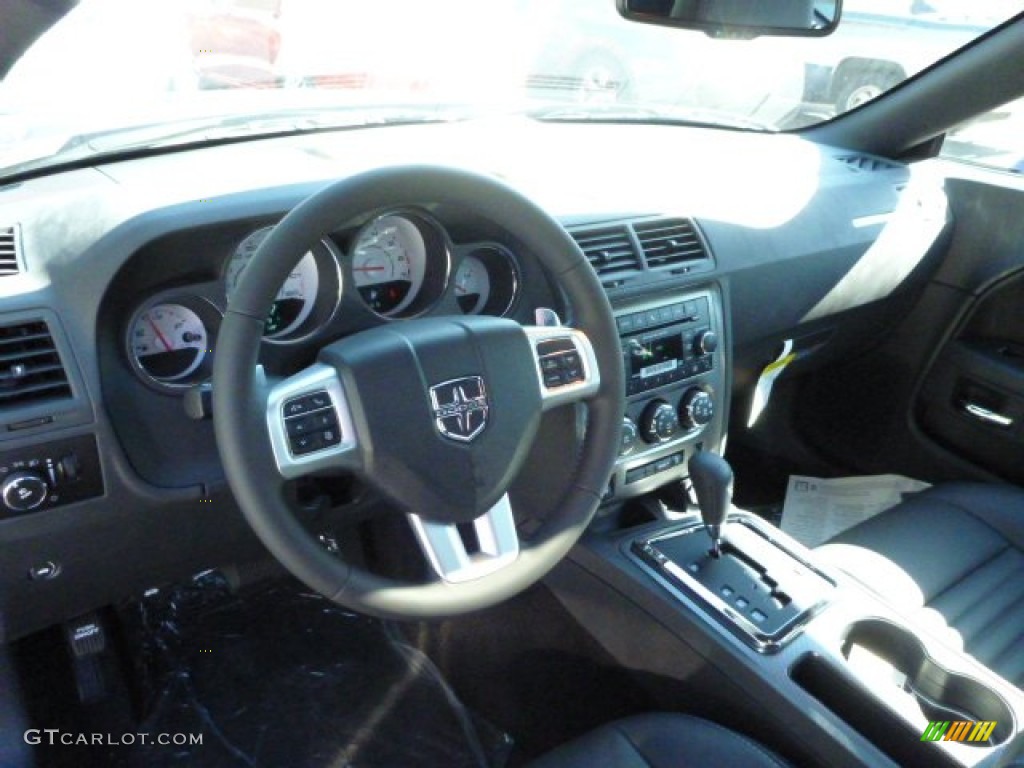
(55, 737)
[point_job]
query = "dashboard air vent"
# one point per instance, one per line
(30, 367)
(8, 252)
(670, 243)
(867, 163)
(611, 253)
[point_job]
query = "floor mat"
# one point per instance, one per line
(281, 676)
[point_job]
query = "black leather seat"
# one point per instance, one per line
(660, 741)
(952, 555)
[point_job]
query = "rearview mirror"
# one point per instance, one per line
(738, 18)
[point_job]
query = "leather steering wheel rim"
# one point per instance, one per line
(239, 392)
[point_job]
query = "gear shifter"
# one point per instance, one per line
(711, 476)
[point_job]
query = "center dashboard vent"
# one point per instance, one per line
(610, 252)
(670, 243)
(30, 366)
(9, 263)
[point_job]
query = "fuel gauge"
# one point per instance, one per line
(169, 343)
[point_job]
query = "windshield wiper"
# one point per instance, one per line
(652, 114)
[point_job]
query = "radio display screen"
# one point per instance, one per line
(656, 356)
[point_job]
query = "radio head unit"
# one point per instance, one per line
(679, 345)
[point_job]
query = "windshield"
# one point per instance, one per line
(132, 74)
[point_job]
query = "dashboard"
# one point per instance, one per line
(712, 255)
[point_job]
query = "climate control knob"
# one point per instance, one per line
(696, 409)
(659, 422)
(629, 437)
(23, 491)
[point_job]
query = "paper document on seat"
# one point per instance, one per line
(817, 509)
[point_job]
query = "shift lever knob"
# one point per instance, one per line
(711, 476)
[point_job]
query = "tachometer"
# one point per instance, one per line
(168, 342)
(389, 262)
(295, 300)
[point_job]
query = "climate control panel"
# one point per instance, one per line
(49, 475)
(675, 364)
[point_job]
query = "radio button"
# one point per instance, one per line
(705, 342)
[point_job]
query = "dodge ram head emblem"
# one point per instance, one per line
(460, 408)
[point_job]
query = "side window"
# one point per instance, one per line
(994, 139)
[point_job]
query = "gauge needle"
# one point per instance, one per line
(367, 269)
(163, 339)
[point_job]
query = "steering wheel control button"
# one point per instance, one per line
(304, 444)
(311, 423)
(24, 491)
(560, 363)
(566, 365)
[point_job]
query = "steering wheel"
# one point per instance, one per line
(438, 414)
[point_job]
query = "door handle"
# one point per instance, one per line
(981, 413)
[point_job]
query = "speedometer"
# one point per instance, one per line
(295, 300)
(389, 262)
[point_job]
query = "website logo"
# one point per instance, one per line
(959, 730)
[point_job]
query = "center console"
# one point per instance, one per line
(674, 361)
(746, 620)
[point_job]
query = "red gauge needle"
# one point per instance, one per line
(367, 269)
(163, 339)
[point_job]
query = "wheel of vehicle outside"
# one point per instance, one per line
(860, 88)
(600, 79)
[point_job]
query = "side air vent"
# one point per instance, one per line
(867, 163)
(611, 253)
(670, 243)
(30, 367)
(8, 252)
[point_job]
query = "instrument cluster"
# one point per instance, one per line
(399, 264)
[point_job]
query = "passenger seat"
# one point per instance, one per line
(952, 555)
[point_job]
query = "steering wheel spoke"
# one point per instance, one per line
(310, 423)
(454, 560)
(567, 370)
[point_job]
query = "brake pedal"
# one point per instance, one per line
(87, 642)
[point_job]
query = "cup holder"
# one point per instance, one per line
(878, 648)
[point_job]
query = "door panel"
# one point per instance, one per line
(972, 400)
